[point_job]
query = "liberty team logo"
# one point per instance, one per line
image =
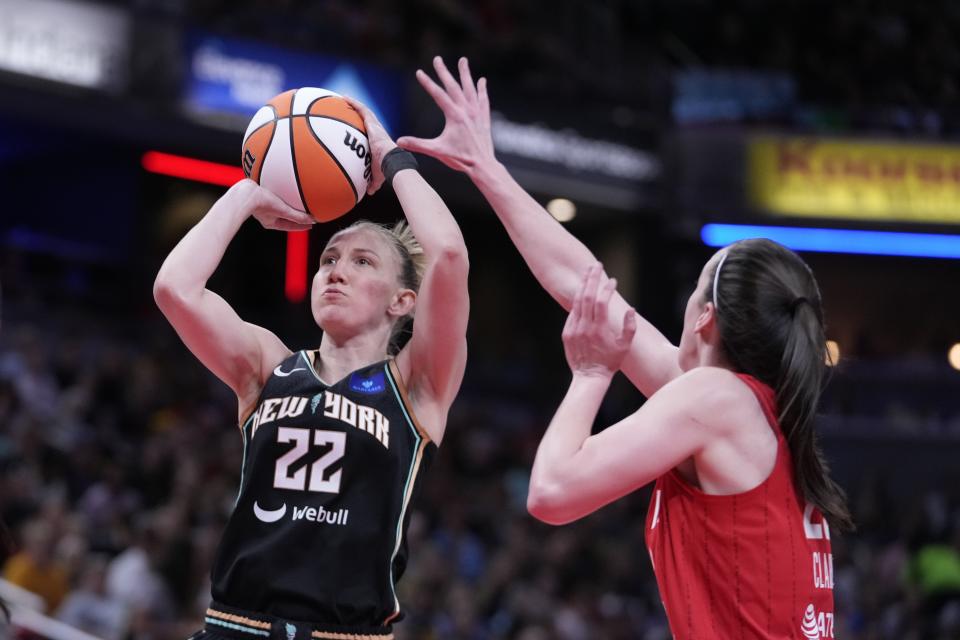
(369, 385)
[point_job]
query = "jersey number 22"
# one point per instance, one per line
(283, 479)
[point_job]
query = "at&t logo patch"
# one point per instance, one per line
(816, 626)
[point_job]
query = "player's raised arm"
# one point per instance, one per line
(557, 259)
(575, 473)
(239, 353)
(434, 359)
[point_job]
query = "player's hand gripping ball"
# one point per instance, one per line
(309, 147)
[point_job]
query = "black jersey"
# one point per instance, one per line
(318, 530)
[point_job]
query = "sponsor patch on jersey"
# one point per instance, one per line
(268, 515)
(370, 385)
(816, 625)
(320, 515)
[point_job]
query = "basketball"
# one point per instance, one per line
(309, 147)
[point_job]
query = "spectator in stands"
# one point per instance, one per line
(36, 567)
(90, 608)
(934, 571)
(6, 545)
(132, 577)
(520, 585)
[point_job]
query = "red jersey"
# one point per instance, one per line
(752, 565)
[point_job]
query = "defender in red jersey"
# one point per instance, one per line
(755, 564)
(735, 529)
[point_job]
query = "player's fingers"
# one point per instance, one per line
(451, 85)
(570, 325)
(436, 91)
(466, 81)
(603, 298)
(629, 327)
(374, 185)
(585, 301)
(591, 290)
(298, 217)
(288, 225)
(358, 106)
(576, 309)
(369, 117)
(274, 206)
(482, 96)
(426, 146)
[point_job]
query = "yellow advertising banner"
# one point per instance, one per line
(884, 182)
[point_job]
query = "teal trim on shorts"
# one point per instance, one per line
(237, 627)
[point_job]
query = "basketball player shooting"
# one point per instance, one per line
(737, 527)
(336, 438)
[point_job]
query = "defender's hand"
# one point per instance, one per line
(592, 346)
(465, 141)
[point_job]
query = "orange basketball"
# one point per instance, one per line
(309, 147)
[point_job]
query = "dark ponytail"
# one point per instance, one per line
(770, 320)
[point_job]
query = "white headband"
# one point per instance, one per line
(716, 279)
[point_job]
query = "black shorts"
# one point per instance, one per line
(229, 623)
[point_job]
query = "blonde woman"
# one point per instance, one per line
(337, 437)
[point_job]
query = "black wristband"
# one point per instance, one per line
(397, 160)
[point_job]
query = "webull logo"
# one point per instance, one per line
(319, 515)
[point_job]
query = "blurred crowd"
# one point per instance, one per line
(911, 397)
(888, 65)
(120, 461)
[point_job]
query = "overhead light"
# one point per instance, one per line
(889, 243)
(953, 356)
(562, 210)
(224, 175)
